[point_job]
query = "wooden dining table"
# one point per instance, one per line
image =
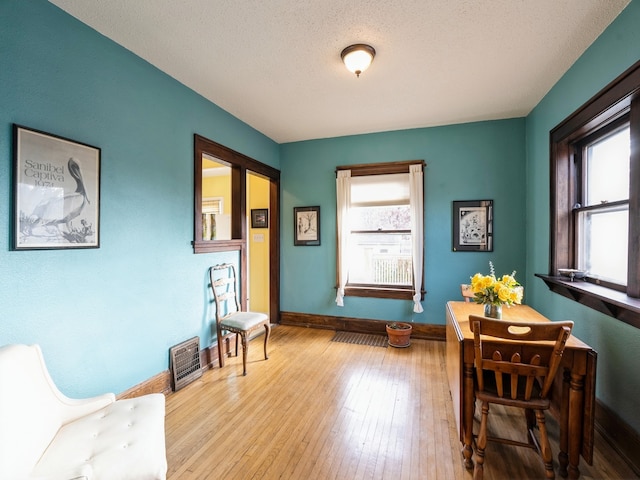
(572, 397)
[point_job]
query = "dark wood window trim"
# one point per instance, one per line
(383, 168)
(240, 165)
(369, 291)
(621, 97)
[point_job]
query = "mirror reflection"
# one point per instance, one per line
(216, 199)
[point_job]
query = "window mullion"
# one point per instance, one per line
(602, 206)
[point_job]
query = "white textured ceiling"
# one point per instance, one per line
(275, 64)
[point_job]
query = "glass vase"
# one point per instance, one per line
(493, 311)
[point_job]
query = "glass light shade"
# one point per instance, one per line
(357, 58)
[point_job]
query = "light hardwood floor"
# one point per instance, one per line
(319, 409)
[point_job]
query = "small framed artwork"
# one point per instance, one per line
(473, 226)
(56, 192)
(259, 218)
(307, 225)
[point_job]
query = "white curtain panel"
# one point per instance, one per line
(417, 224)
(343, 192)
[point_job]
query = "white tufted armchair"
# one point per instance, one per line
(45, 435)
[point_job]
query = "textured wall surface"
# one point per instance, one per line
(617, 344)
(106, 317)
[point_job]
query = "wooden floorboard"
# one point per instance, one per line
(319, 409)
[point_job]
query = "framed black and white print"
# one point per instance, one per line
(307, 225)
(56, 192)
(473, 226)
(259, 218)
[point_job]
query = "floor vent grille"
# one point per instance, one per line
(185, 362)
(360, 339)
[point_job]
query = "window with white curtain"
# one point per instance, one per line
(380, 231)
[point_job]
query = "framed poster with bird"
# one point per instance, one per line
(56, 192)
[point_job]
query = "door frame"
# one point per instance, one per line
(240, 165)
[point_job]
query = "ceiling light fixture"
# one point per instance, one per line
(358, 57)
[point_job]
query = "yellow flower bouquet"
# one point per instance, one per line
(489, 290)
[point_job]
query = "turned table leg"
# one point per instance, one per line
(469, 402)
(563, 457)
(576, 401)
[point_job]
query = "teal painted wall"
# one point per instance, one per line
(617, 343)
(107, 317)
(464, 162)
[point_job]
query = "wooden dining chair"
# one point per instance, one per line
(510, 374)
(467, 293)
(230, 319)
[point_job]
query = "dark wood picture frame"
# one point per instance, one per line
(260, 218)
(472, 226)
(56, 192)
(306, 226)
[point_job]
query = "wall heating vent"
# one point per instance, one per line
(185, 362)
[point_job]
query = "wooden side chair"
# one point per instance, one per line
(230, 319)
(510, 374)
(467, 293)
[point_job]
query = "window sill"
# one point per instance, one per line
(605, 300)
(400, 294)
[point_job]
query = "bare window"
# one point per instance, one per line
(595, 201)
(602, 213)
